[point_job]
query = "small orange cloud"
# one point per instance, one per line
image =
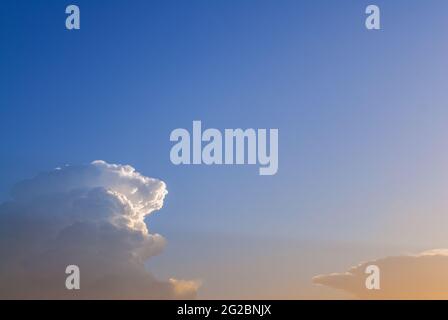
(421, 276)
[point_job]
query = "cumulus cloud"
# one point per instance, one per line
(185, 287)
(92, 216)
(419, 276)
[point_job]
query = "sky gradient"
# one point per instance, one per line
(361, 116)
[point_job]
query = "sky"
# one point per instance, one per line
(361, 117)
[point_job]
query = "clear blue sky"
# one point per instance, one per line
(361, 115)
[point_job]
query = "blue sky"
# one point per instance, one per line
(361, 114)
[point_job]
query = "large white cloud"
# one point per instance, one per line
(91, 216)
(420, 276)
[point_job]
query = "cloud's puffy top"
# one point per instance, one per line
(91, 216)
(420, 276)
